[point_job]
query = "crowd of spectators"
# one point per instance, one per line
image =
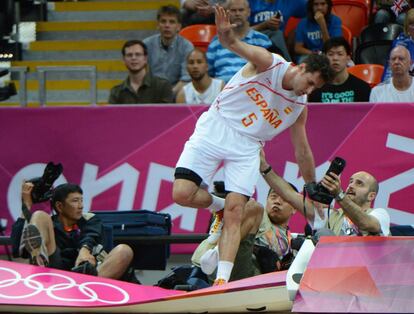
(261, 23)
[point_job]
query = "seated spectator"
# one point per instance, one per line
(265, 245)
(319, 25)
(355, 217)
(167, 50)
(140, 87)
(270, 17)
(222, 63)
(197, 12)
(387, 14)
(202, 89)
(400, 87)
(344, 87)
(406, 39)
(68, 238)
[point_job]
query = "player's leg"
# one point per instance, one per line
(241, 171)
(187, 191)
(230, 238)
(207, 254)
(195, 168)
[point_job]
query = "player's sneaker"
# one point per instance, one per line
(216, 227)
(219, 282)
(33, 243)
(209, 261)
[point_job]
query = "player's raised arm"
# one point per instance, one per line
(258, 56)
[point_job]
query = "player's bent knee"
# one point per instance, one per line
(183, 192)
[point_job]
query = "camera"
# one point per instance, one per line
(316, 191)
(219, 189)
(42, 190)
(85, 268)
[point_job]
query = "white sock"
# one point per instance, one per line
(224, 270)
(209, 260)
(217, 204)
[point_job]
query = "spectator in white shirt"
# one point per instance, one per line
(400, 88)
(202, 89)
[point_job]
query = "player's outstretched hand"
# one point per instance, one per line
(223, 24)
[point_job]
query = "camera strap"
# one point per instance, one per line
(304, 201)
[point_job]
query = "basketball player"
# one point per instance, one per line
(268, 95)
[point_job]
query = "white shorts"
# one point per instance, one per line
(214, 142)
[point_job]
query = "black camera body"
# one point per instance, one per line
(85, 268)
(219, 189)
(319, 193)
(42, 190)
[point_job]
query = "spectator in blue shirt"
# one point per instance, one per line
(270, 18)
(222, 63)
(316, 28)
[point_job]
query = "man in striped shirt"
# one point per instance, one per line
(223, 63)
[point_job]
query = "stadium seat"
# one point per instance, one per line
(380, 31)
(370, 73)
(291, 25)
(289, 33)
(347, 34)
(373, 52)
(199, 34)
(353, 13)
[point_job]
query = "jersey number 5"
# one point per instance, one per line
(247, 121)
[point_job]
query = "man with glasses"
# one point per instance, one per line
(140, 87)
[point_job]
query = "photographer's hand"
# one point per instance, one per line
(27, 188)
(332, 183)
(85, 256)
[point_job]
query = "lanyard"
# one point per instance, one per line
(289, 240)
(352, 227)
(282, 250)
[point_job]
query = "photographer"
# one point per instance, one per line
(67, 239)
(265, 244)
(355, 217)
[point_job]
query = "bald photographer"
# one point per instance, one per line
(355, 216)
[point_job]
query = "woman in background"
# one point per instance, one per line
(316, 28)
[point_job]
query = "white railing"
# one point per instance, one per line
(42, 70)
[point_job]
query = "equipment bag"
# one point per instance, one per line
(139, 223)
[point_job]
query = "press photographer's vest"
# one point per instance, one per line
(340, 224)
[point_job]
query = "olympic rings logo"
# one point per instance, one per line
(37, 287)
